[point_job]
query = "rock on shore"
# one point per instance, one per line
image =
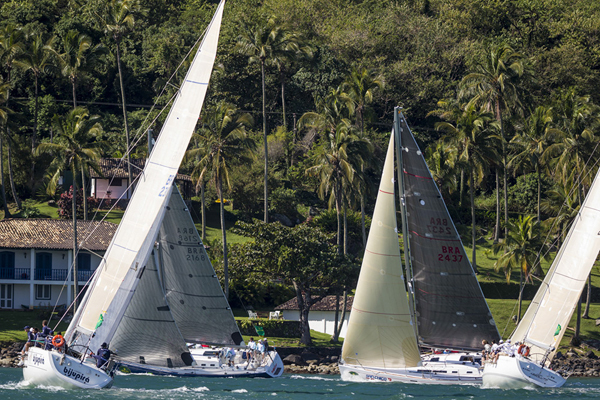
(9, 354)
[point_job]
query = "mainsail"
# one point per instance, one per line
(125, 260)
(147, 333)
(178, 300)
(192, 289)
(380, 328)
(549, 314)
(450, 307)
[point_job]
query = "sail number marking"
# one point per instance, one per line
(450, 253)
(167, 186)
(194, 254)
(439, 225)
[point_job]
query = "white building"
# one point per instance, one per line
(36, 256)
(112, 181)
(321, 317)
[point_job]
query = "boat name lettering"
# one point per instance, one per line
(163, 190)
(378, 378)
(78, 376)
(37, 359)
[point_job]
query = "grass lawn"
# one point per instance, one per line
(13, 322)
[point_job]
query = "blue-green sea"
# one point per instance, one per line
(293, 387)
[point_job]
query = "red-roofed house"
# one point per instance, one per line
(321, 317)
(36, 256)
(113, 181)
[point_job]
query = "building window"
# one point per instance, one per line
(43, 266)
(116, 182)
(84, 261)
(7, 265)
(42, 292)
(6, 295)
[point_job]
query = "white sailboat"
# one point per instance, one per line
(383, 341)
(546, 320)
(127, 257)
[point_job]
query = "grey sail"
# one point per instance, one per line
(192, 289)
(450, 307)
(147, 333)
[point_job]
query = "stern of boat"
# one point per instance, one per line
(51, 368)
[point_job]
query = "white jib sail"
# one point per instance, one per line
(137, 231)
(380, 332)
(549, 313)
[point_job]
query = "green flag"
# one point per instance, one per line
(558, 329)
(100, 321)
(259, 330)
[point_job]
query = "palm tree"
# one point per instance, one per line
(38, 58)
(76, 148)
(472, 136)
(286, 48)
(4, 112)
(494, 85)
(117, 17)
(78, 57)
(11, 46)
(520, 250)
(360, 86)
(335, 157)
(532, 142)
(223, 142)
(259, 44)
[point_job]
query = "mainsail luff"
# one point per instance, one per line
(380, 331)
(550, 312)
(130, 249)
(450, 307)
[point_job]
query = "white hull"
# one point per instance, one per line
(271, 366)
(441, 369)
(51, 368)
(518, 372)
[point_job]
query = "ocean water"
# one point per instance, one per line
(293, 387)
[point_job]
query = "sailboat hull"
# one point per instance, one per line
(270, 367)
(51, 368)
(441, 369)
(518, 372)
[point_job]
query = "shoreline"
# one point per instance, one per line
(324, 360)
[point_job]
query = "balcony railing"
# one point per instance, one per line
(43, 274)
(15, 273)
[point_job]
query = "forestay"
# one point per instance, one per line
(126, 257)
(450, 307)
(380, 330)
(548, 315)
